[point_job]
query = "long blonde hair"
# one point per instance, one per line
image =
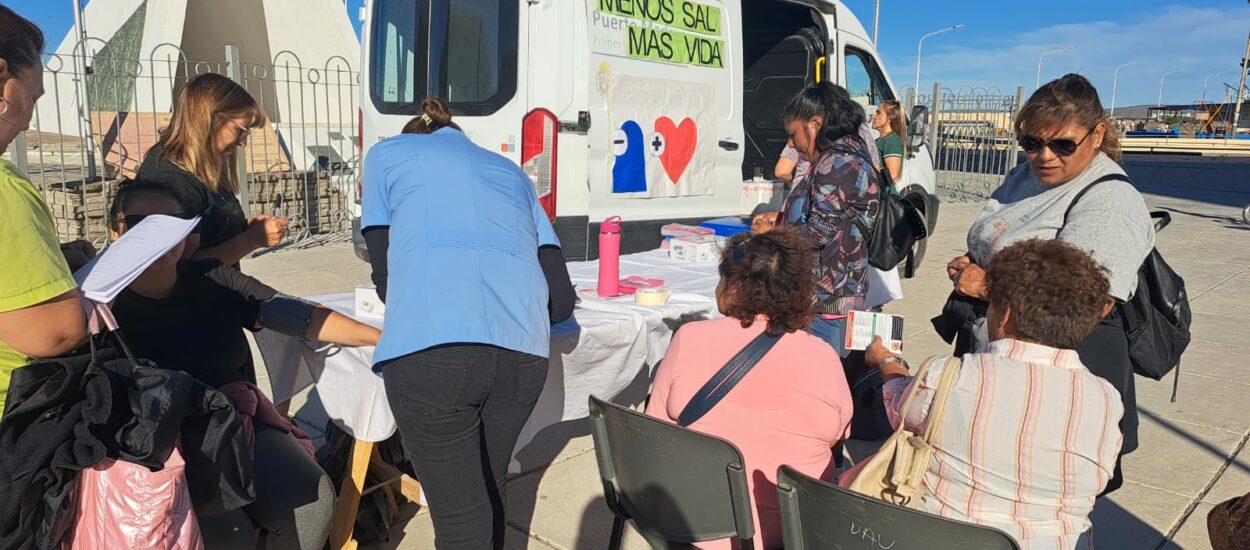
(205, 105)
(898, 124)
(1070, 98)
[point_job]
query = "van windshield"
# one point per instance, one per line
(464, 51)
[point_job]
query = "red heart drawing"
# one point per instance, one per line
(679, 144)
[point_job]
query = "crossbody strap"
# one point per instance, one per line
(942, 396)
(1082, 192)
(729, 375)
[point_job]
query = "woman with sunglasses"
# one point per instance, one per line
(213, 117)
(794, 405)
(189, 315)
(1069, 144)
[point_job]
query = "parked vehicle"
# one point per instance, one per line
(653, 110)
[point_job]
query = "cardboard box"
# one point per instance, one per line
(368, 304)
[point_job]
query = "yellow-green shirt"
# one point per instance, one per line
(32, 268)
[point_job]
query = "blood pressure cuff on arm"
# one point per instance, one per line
(286, 315)
(256, 303)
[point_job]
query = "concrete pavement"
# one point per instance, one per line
(1191, 454)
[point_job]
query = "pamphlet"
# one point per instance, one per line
(862, 327)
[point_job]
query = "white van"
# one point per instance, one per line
(654, 110)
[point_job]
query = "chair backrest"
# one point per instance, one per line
(678, 485)
(816, 516)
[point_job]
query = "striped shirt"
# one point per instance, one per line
(1029, 440)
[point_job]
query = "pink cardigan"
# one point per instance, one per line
(790, 409)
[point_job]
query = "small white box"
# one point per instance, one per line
(695, 249)
(761, 196)
(368, 304)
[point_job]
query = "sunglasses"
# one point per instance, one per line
(1061, 147)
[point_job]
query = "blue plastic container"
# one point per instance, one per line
(728, 227)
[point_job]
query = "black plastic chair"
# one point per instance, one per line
(818, 516)
(677, 485)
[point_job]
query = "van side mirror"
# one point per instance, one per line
(917, 127)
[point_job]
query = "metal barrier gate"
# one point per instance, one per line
(972, 137)
(103, 111)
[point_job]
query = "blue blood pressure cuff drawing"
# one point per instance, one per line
(629, 173)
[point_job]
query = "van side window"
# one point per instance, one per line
(864, 79)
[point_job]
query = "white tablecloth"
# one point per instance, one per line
(600, 351)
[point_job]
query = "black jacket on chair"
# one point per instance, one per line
(67, 414)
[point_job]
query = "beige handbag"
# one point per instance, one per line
(895, 473)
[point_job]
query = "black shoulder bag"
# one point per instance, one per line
(1157, 316)
(897, 227)
(729, 375)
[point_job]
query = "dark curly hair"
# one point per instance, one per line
(768, 274)
(1056, 291)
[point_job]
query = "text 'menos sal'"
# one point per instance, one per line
(673, 31)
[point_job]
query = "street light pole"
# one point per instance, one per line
(1165, 75)
(1207, 81)
(1241, 88)
(1116, 81)
(1039, 63)
(920, 45)
(81, 66)
(876, 22)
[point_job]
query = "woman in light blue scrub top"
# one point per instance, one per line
(473, 277)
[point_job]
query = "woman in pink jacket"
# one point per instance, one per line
(794, 405)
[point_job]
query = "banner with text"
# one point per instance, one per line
(670, 31)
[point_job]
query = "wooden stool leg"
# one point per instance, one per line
(349, 497)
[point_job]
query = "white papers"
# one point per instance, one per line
(104, 277)
(883, 287)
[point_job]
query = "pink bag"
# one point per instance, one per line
(125, 505)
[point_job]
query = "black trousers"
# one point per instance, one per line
(460, 409)
(1105, 353)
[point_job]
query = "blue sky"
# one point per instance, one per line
(1002, 41)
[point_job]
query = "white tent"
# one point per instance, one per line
(299, 59)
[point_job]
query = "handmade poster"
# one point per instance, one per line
(682, 32)
(663, 139)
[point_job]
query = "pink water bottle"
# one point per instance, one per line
(610, 257)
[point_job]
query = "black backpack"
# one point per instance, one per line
(899, 224)
(1157, 316)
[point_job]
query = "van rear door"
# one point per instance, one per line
(666, 141)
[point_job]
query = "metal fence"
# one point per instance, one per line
(972, 138)
(103, 111)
